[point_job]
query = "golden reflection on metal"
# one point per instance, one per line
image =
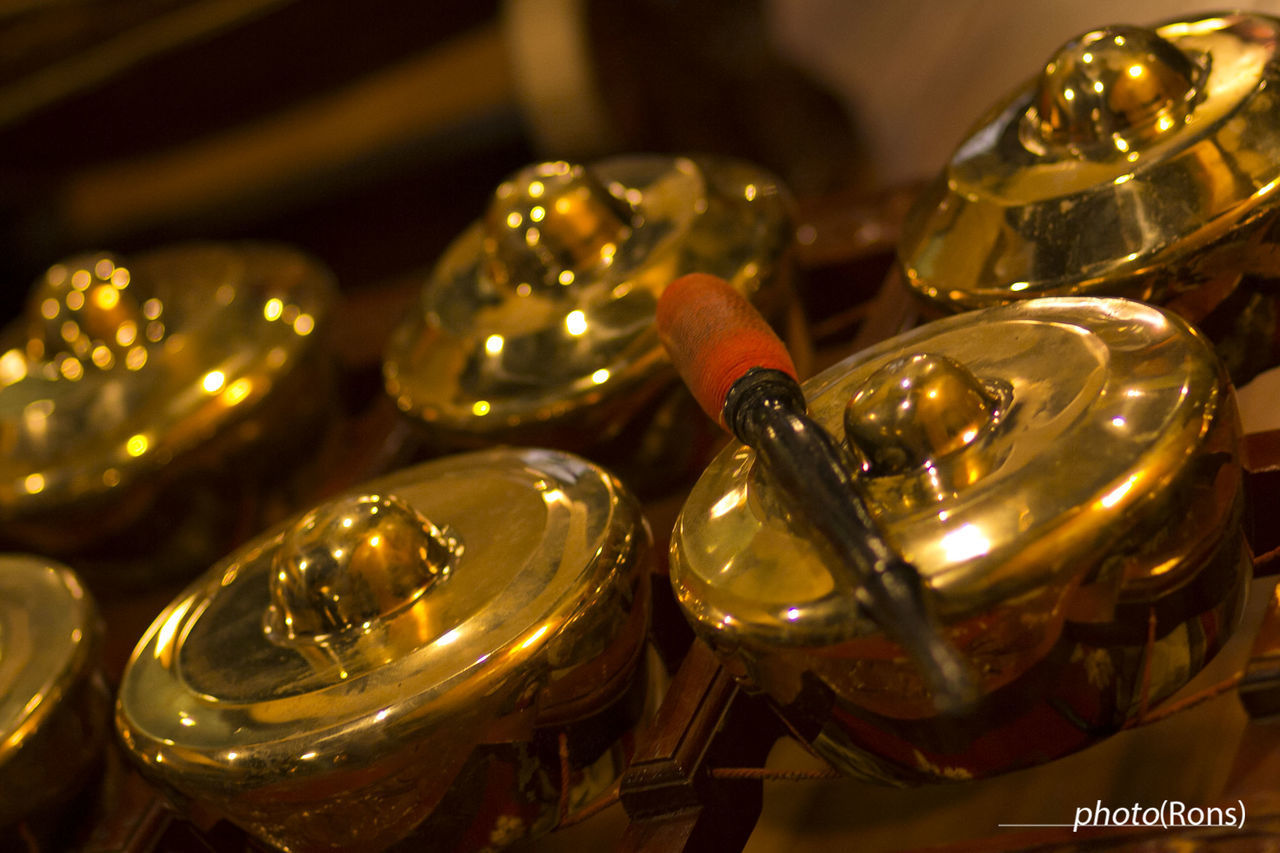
(537, 321)
(1115, 172)
(164, 632)
(88, 311)
(916, 411)
(238, 391)
(558, 219)
(964, 543)
(1067, 460)
(352, 563)
(54, 704)
(117, 364)
(362, 633)
(13, 367)
(1121, 87)
(213, 381)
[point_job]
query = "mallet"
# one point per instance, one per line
(743, 377)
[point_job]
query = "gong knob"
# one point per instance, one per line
(92, 312)
(917, 410)
(1118, 88)
(353, 562)
(551, 224)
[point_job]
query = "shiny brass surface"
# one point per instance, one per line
(1060, 471)
(54, 704)
(353, 561)
(1114, 90)
(918, 410)
(123, 371)
(537, 323)
(334, 682)
(1109, 174)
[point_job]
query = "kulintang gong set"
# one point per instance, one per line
(979, 545)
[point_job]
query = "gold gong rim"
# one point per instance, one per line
(1027, 208)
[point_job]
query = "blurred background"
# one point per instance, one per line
(369, 134)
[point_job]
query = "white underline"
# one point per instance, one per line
(1114, 825)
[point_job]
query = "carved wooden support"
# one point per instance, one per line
(1262, 488)
(668, 793)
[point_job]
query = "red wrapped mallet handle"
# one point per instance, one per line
(714, 336)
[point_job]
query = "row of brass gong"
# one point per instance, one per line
(1058, 457)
